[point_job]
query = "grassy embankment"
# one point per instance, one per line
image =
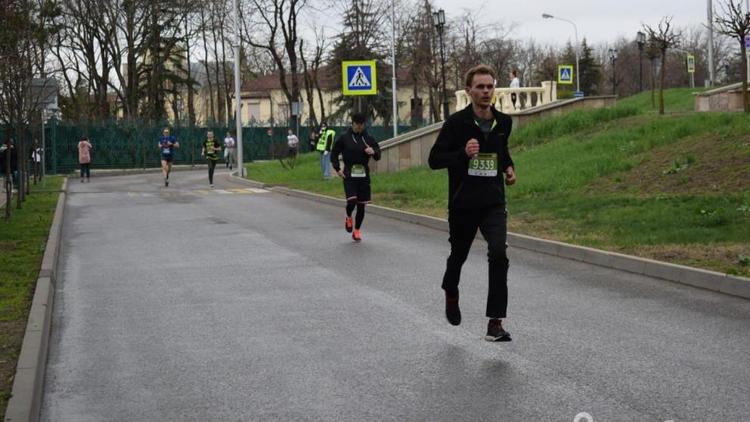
(674, 187)
(22, 243)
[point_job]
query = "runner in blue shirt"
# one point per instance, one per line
(167, 145)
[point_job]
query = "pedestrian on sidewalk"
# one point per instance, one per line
(211, 149)
(84, 157)
(167, 145)
(9, 160)
(514, 84)
(325, 143)
(229, 148)
(473, 146)
(356, 147)
(292, 143)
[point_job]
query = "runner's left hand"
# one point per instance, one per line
(510, 176)
(369, 151)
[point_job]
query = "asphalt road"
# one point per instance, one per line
(186, 304)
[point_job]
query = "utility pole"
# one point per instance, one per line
(393, 68)
(747, 50)
(238, 100)
(711, 70)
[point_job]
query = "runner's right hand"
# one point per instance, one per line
(472, 147)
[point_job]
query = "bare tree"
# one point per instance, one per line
(311, 71)
(663, 37)
(735, 23)
(211, 115)
(414, 51)
(23, 32)
(279, 39)
(142, 39)
(83, 59)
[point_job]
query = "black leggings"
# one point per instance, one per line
(211, 168)
(86, 169)
(360, 213)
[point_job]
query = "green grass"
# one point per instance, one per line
(676, 100)
(552, 128)
(22, 243)
(565, 191)
(570, 162)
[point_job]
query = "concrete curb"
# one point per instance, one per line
(125, 172)
(28, 384)
(695, 277)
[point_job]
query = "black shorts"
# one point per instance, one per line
(358, 189)
(167, 158)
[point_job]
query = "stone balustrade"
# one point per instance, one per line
(526, 98)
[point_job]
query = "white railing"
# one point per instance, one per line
(526, 98)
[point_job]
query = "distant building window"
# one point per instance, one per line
(253, 111)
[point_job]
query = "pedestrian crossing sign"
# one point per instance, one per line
(359, 77)
(565, 74)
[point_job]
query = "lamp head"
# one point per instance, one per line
(547, 16)
(640, 38)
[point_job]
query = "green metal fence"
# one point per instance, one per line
(134, 145)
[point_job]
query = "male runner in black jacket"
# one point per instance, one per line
(356, 147)
(473, 146)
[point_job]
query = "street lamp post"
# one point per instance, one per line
(394, 103)
(711, 70)
(237, 97)
(438, 18)
(613, 58)
(640, 39)
(575, 29)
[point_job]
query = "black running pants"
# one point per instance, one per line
(463, 226)
(211, 168)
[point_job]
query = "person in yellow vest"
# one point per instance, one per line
(325, 143)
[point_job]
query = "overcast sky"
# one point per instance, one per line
(599, 21)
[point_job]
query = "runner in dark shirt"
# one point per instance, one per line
(356, 147)
(473, 146)
(167, 145)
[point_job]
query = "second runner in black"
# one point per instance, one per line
(356, 147)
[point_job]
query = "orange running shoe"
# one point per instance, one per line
(357, 235)
(348, 225)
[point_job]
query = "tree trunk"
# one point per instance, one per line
(220, 85)
(19, 166)
(226, 85)
(211, 113)
(190, 89)
(9, 193)
(653, 85)
(308, 85)
(661, 81)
